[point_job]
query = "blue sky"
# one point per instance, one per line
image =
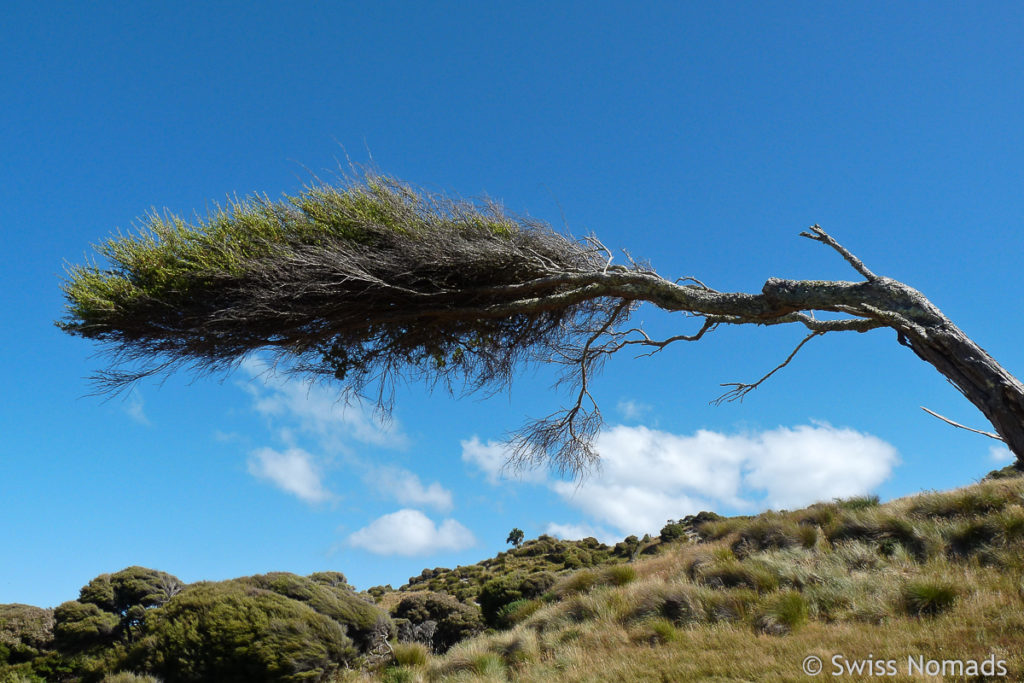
(699, 136)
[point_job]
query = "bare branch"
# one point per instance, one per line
(957, 424)
(689, 278)
(819, 235)
(740, 389)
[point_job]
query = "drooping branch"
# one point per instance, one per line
(376, 281)
(740, 389)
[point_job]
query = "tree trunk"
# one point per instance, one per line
(984, 382)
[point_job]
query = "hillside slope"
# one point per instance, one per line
(930, 585)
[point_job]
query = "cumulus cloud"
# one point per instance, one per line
(1000, 454)
(574, 532)
(317, 411)
(405, 487)
(632, 410)
(292, 470)
(648, 476)
(799, 466)
(135, 407)
(410, 532)
(490, 459)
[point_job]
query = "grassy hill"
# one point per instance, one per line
(861, 586)
(925, 587)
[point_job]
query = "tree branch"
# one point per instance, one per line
(740, 389)
(819, 235)
(957, 424)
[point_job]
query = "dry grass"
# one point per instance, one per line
(937, 576)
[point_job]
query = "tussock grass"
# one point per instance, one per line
(928, 596)
(879, 579)
(410, 654)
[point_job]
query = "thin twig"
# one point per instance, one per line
(957, 424)
(819, 235)
(741, 389)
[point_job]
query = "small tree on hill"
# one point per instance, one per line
(374, 282)
(515, 537)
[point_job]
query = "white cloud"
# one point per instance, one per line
(317, 410)
(574, 532)
(405, 487)
(1000, 454)
(292, 470)
(799, 466)
(632, 410)
(410, 532)
(647, 476)
(134, 406)
(490, 458)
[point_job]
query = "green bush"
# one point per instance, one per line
(79, 625)
(329, 594)
(232, 632)
(673, 531)
(503, 590)
(455, 620)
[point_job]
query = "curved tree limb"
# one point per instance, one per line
(376, 281)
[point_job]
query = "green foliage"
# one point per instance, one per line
(329, 594)
(455, 621)
(515, 537)
(334, 278)
(501, 591)
(627, 547)
(24, 630)
(230, 632)
(129, 677)
(659, 631)
(79, 625)
(673, 531)
(134, 586)
(517, 611)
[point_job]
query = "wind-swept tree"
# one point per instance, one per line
(375, 281)
(515, 537)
